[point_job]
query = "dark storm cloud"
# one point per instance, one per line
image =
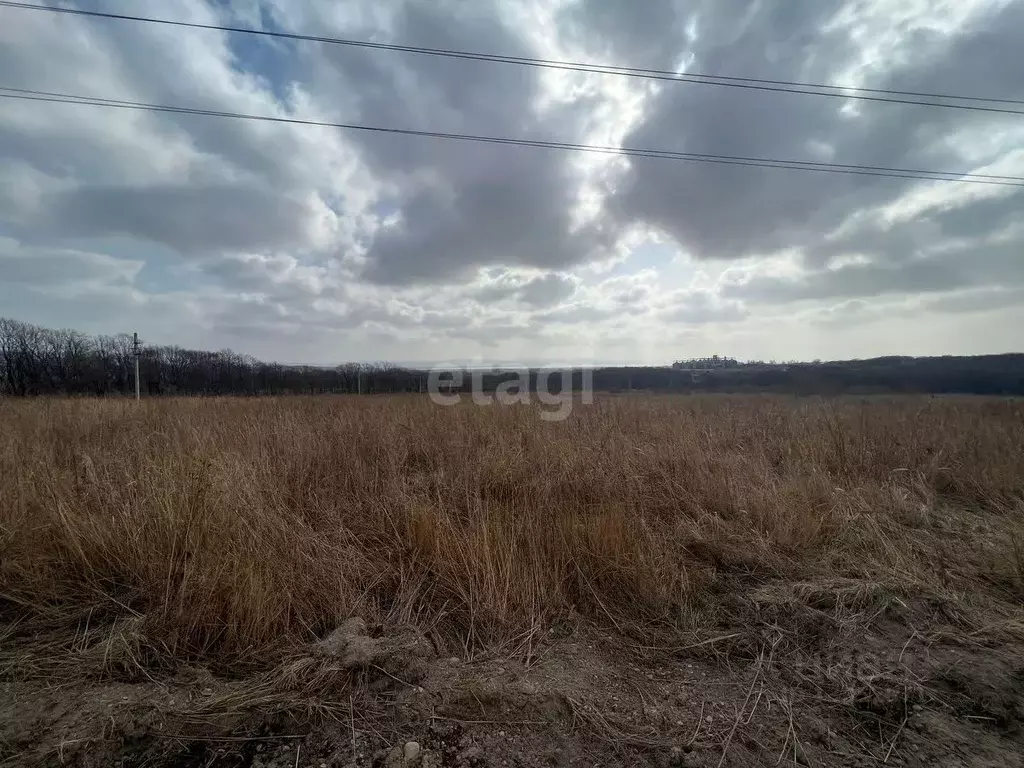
(294, 225)
(466, 206)
(727, 212)
(514, 215)
(463, 205)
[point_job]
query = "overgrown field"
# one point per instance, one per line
(232, 535)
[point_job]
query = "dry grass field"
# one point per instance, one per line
(666, 580)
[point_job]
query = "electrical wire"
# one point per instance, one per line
(885, 95)
(760, 162)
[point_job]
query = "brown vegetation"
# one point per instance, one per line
(234, 533)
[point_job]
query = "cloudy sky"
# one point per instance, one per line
(311, 244)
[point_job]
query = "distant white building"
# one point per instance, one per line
(706, 363)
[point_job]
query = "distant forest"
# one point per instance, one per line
(42, 361)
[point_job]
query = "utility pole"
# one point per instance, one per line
(136, 353)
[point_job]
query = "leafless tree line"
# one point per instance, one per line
(45, 361)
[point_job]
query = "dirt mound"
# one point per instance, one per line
(367, 697)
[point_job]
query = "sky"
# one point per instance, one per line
(308, 244)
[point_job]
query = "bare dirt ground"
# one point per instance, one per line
(830, 677)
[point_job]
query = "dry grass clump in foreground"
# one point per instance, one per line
(230, 530)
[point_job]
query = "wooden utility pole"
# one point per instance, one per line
(135, 351)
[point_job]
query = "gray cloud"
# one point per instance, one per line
(538, 291)
(189, 219)
(576, 313)
(379, 242)
(54, 267)
(462, 205)
(547, 290)
(984, 300)
(515, 215)
(697, 307)
(965, 266)
(728, 212)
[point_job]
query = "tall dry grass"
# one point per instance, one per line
(230, 529)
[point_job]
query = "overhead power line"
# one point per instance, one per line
(886, 95)
(759, 162)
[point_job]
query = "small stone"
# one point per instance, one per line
(410, 751)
